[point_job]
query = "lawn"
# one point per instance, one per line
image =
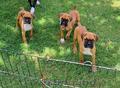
(99, 16)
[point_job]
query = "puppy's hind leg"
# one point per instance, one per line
(78, 20)
(74, 42)
(80, 42)
(81, 52)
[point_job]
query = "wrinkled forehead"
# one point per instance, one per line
(89, 35)
(65, 15)
(27, 14)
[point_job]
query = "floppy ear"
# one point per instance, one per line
(70, 18)
(83, 35)
(96, 37)
(22, 13)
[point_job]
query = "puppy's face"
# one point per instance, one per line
(64, 19)
(88, 39)
(27, 17)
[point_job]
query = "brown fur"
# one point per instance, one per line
(19, 23)
(80, 34)
(73, 17)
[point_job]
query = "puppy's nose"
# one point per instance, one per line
(63, 22)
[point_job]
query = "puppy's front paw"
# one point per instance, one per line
(67, 36)
(74, 50)
(62, 41)
(81, 62)
(94, 69)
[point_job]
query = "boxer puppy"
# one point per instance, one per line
(86, 41)
(67, 22)
(24, 22)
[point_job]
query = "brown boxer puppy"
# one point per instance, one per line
(24, 22)
(86, 41)
(67, 22)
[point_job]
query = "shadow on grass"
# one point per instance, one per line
(99, 16)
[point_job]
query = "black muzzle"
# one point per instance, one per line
(64, 22)
(27, 20)
(88, 43)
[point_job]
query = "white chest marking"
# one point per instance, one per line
(87, 51)
(27, 27)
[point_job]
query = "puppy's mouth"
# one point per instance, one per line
(27, 20)
(64, 22)
(88, 43)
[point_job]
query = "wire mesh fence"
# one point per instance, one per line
(28, 71)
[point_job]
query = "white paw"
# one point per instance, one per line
(38, 2)
(32, 10)
(62, 40)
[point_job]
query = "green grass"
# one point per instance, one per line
(99, 16)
